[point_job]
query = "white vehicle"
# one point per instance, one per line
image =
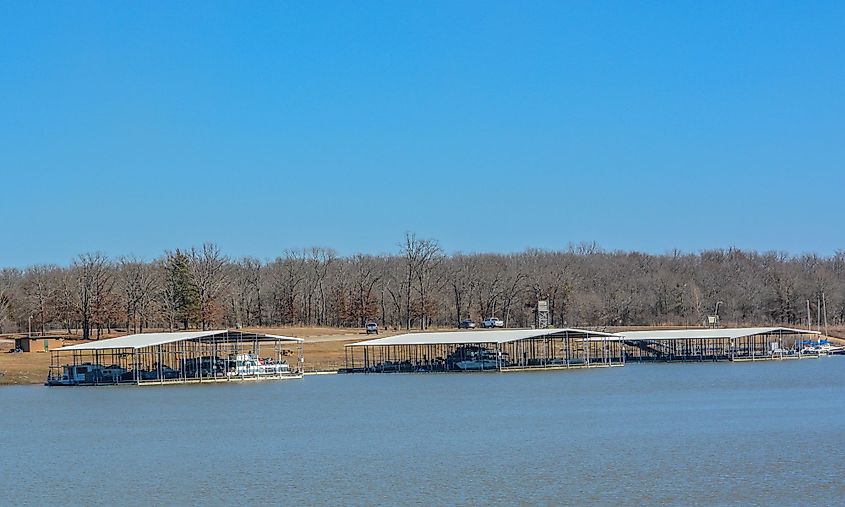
(372, 327)
(492, 322)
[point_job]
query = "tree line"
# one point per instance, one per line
(420, 286)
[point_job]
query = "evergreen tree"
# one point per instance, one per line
(181, 289)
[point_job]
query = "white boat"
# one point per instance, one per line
(823, 348)
(73, 374)
(250, 365)
(87, 373)
(473, 358)
(477, 364)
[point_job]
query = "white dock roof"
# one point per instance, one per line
(476, 336)
(471, 336)
(139, 341)
(706, 333)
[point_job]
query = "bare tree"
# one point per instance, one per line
(10, 280)
(208, 275)
(93, 282)
(138, 284)
(320, 260)
(423, 257)
(462, 276)
(40, 286)
(245, 276)
(366, 272)
(419, 286)
(287, 274)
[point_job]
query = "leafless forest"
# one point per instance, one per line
(419, 286)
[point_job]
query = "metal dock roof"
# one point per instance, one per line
(707, 333)
(476, 336)
(138, 341)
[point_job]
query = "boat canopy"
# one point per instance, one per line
(139, 341)
(481, 336)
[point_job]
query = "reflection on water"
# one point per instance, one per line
(741, 434)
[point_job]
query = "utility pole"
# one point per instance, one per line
(824, 312)
(809, 321)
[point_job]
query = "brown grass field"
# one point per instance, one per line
(323, 350)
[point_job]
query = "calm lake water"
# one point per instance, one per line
(770, 433)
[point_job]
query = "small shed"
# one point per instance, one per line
(38, 343)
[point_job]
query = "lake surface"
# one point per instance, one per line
(768, 433)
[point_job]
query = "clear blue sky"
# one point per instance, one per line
(135, 127)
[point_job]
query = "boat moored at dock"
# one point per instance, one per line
(252, 365)
(532, 349)
(181, 357)
(485, 351)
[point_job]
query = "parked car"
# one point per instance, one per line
(467, 324)
(492, 322)
(372, 327)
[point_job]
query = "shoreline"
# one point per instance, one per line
(324, 353)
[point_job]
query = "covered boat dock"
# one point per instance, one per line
(727, 344)
(483, 350)
(179, 357)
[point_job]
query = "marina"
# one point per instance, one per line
(235, 355)
(483, 350)
(717, 344)
(472, 254)
(518, 350)
(180, 357)
(821, 348)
